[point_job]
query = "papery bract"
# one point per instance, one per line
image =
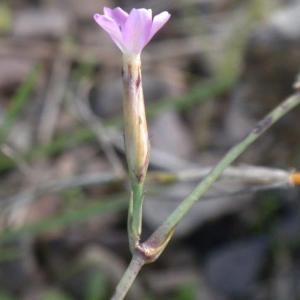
(131, 32)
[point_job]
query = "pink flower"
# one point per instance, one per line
(131, 32)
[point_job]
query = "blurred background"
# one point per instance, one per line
(215, 69)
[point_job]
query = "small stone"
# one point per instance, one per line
(288, 228)
(169, 134)
(234, 270)
(288, 20)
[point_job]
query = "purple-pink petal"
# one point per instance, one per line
(111, 28)
(117, 14)
(158, 22)
(131, 32)
(137, 29)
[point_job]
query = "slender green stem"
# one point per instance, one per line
(160, 235)
(135, 215)
(128, 278)
(159, 239)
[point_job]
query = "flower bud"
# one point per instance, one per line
(135, 125)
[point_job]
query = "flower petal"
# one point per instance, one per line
(131, 32)
(137, 29)
(112, 28)
(158, 22)
(117, 14)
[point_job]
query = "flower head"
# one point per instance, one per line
(131, 32)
